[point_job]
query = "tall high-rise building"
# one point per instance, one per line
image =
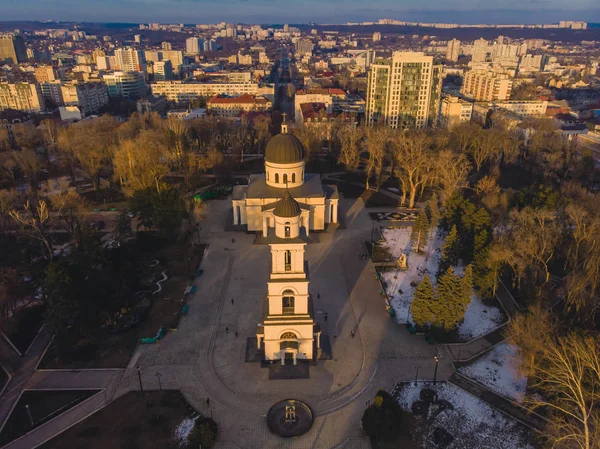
(210, 45)
(404, 91)
(453, 50)
(163, 70)
(482, 85)
(21, 96)
(12, 49)
(166, 45)
(193, 45)
(480, 49)
(137, 38)
(376, 36)
(130, 60)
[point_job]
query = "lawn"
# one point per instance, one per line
(459, 420)
(115, 350)
(44, 405)
(136, 420)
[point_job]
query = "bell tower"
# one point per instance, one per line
(288, 332)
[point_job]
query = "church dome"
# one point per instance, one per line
(287, 207)
(284, 149)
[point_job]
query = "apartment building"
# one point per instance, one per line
(224, 106)
(179, 91)
(12, 49)
(453, 50)
(88, 97)
(454, 111)
(21, 97)
(130, 60)
(125, 84)
(404, 91)
(45, 73)
(482, 85)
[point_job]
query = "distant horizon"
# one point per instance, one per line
(324, 12)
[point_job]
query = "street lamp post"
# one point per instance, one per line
(140, 378)
(437, 359)
(417, 375)
(159, 384)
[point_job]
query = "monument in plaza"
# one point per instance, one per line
(253, 204)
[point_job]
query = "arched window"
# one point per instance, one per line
(293, 178)
(288, 336)
(288, 302)
(287, 230)
(288, 260)
(276, 178)
(285, 179)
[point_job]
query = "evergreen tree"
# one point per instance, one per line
(419, 231)
(450, 309)
(434, 211)
(423, 307)
(467, 286)
(450, 251)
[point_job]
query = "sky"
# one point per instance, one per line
(301, 11)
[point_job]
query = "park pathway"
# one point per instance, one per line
(21, 370)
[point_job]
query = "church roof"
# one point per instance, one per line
(312, 188)
(287, 206)
(284, 149)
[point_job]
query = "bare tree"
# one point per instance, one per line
(33, 221)
(141, 162)
(377, 143)
(568, 376)
(414, 163)
(350, 136)
(70, 207)
(451, 171)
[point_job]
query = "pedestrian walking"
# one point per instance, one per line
(226, 330)
(318, 295)
(236, 334)
(232, 240)
(208, 402)
(325, 317)
(231, 301)
(352, 334)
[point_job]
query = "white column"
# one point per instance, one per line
(235, 214)
(318, 340)
(335, 212)
(305, 222)
(265, 230)
(282, 357)
(295, 357)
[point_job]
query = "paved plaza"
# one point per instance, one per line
(205, 361)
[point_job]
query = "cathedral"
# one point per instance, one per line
(253, 205)
(286, 204)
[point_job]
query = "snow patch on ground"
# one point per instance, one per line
(499, 371)
(183, 430)
(479, 318)
(473, 423)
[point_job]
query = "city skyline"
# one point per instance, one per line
(326, 11)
